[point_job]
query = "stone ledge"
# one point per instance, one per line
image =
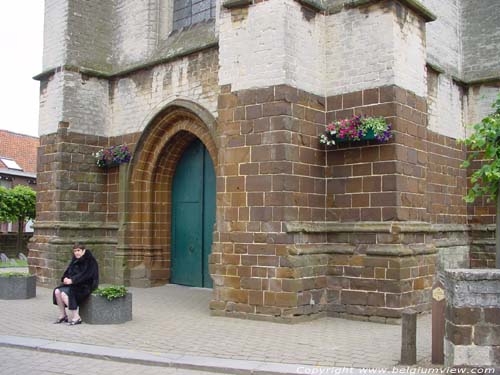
(414, 5)
(466, 274)
(371, 227)
(308, 249)
(74, 225)
(400, 250)
(232, 4)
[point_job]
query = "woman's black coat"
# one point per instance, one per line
(84, 272)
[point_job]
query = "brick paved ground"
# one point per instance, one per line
(175, 319)
(29, 362)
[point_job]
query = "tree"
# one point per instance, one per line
(17, 204)
(485, 146)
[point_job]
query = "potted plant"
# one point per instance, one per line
(112, 156)
(17, 285)
(110, 304)
(356, 128)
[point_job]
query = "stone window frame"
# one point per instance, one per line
(166, 17)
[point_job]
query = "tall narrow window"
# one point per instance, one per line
(189, 12)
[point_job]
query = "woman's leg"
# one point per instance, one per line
(60, 303)
(72, 314)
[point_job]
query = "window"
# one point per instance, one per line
(189, 12)
(11, 164)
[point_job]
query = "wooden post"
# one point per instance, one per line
(409, 337)
(438, 310)
(497, 235)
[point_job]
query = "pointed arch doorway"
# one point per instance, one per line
(193, 217)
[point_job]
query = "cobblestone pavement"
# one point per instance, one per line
(30, 362)
(176, 319)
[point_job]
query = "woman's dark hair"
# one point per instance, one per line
(79, 245)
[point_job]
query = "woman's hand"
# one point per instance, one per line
(67, 281)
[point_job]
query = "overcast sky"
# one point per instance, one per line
(21, 43)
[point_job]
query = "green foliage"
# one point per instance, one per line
(17, 204)
(14, 274)
(15, 263)
(485, 145)
(111, 292)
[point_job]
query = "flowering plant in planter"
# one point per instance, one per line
(112, 156)
(355, 129)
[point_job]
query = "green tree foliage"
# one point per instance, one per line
(484, 145)
(17, 204)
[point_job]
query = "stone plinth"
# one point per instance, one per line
(17, 287)
(98, 310)
(472, 332)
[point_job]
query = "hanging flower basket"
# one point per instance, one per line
(112, 156)
(357, 128)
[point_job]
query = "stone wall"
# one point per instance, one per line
(71, 205)
(480, 32)
(472, 325)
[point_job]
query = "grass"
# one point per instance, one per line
(14, 274)
(18, 263)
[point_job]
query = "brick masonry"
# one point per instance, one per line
(259, 112)
(472, 325)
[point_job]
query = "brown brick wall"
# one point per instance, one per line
(368, 181)
(446, 180)
(270, 171)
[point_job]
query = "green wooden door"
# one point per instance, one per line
(193, 217)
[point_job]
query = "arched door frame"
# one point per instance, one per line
(144, 235)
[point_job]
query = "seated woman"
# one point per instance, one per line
(79, 280)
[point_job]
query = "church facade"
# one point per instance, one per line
(221, 103)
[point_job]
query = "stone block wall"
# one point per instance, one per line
(71, 205)
(270, 172)
(472, 325)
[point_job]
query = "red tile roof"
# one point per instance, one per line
(20, 148)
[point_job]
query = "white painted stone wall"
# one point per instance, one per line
(276, 43)
(372, 47)
(480, 99)
(84, 103)
(252, 46)
(409, 51)
(54, 33)
(305, 58)
(443, 35)
(135, 31)
(359, 50)
(51, 105)
(138, 98)
(446, 106)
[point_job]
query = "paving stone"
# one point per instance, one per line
(176, 320)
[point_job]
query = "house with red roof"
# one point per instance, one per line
(18, 155)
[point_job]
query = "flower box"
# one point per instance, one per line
(14, 286)
(112, 156)
(99, 310)
(369, 136)
(357, 128)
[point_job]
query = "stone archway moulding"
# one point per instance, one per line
(144, 241)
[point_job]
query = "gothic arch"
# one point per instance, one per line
(146, 237)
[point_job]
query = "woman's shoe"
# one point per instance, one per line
(74, 322)
(61, 320)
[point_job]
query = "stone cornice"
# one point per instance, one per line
(414, 5)
(439, 69)
(110, 75)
